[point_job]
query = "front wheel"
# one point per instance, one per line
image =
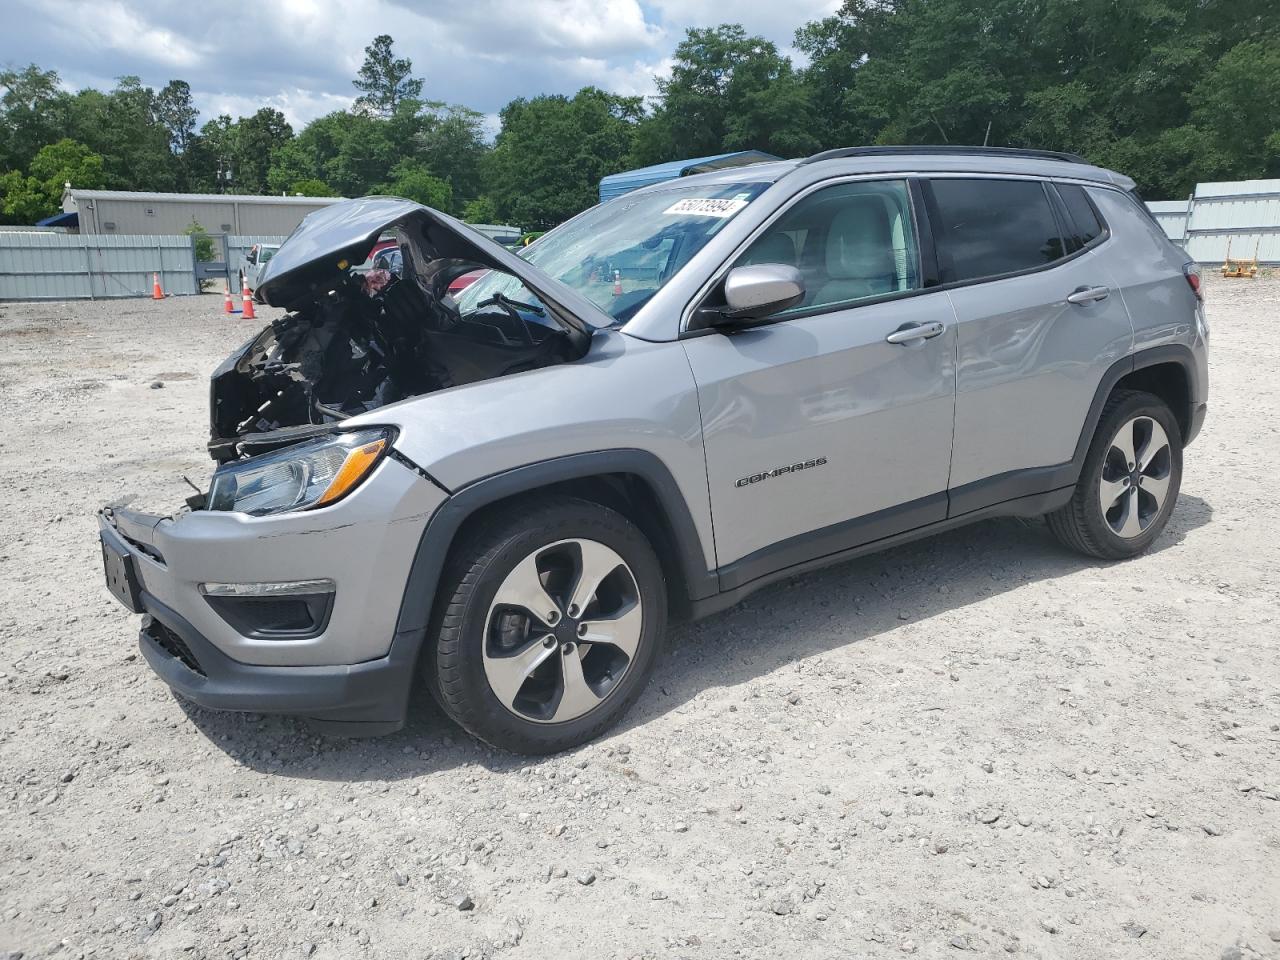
(552, 620)
(1130, 480)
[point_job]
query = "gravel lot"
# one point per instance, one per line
(978, 743)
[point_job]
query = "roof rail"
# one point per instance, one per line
(940, 149)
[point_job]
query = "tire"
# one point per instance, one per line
(1124, 530)
(488, 637)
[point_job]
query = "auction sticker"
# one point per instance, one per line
(694, 207)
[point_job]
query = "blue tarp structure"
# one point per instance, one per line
(60, 220)
(616, 184)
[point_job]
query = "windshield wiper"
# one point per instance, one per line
(503, 300)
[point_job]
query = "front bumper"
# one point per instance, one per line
(1195, 421)
(356, 669)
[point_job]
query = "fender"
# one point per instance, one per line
(442, 528)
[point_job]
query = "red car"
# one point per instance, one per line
(464, 281)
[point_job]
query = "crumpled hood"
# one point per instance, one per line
(331, 240)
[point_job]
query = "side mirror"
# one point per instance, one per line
(758, 291)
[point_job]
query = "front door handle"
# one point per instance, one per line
(1088, 294)
(908, 333)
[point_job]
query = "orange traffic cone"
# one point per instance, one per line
(226, 297)
(156, 292)
(617, 283)
(247, 300)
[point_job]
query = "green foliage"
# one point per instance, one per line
(480, 210)
(311, 187)
(552, 151)
(413, 181)
(1163, 90)
(1237, 103)
(384, 80)
(254, 144)
(728, 91)
(31, 114)
(204, 242)
(26, 199)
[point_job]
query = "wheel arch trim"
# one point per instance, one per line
(442, 529)
(1177, 353)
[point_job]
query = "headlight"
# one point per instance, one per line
(311, 474)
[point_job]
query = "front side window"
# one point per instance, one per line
(989, 227)
(850, 242)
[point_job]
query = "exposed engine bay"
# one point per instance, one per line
(353, 342)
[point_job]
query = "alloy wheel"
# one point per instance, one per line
(562, 631)
(1135, 477)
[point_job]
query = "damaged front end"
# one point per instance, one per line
(352, 343)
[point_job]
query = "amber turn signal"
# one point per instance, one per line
(354, 469)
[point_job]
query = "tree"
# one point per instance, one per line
(1127, 85)
(727, 91)
(414, 181)
(451, 143)
(175, 109)
(1237, 104)
(552, 151)
(311, 187)
(26, 199)
(255, 141)
(384, 79)
(480, 210)
(31, 113)
(349, 151)
(122, 126)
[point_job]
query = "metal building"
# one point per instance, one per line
(126, 213)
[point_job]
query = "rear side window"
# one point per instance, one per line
(1084, 222)
(990, 227)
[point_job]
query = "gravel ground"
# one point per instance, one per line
(978, 743)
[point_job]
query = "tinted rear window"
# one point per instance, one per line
(992, 227)
(1083, 219)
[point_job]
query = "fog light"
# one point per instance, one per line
(286, 610)
(285, 588)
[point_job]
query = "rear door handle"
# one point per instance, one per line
(908, 333)
(1088, 294)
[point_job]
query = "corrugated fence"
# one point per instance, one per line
(1244, 214)
(52, 266)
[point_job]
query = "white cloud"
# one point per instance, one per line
(298, 106)
(299, 56)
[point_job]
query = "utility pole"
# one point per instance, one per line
(223, 175)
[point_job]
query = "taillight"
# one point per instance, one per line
(1192, 273)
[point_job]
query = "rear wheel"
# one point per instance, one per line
(552, 625)
(1130, 480)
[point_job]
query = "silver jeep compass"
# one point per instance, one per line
(673, 399)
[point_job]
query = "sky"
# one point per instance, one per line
(299, 55)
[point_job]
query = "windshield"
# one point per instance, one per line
(620, 253)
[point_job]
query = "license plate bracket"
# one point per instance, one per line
(122, 578)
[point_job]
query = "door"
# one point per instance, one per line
(830, 426)
(1039, 318)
